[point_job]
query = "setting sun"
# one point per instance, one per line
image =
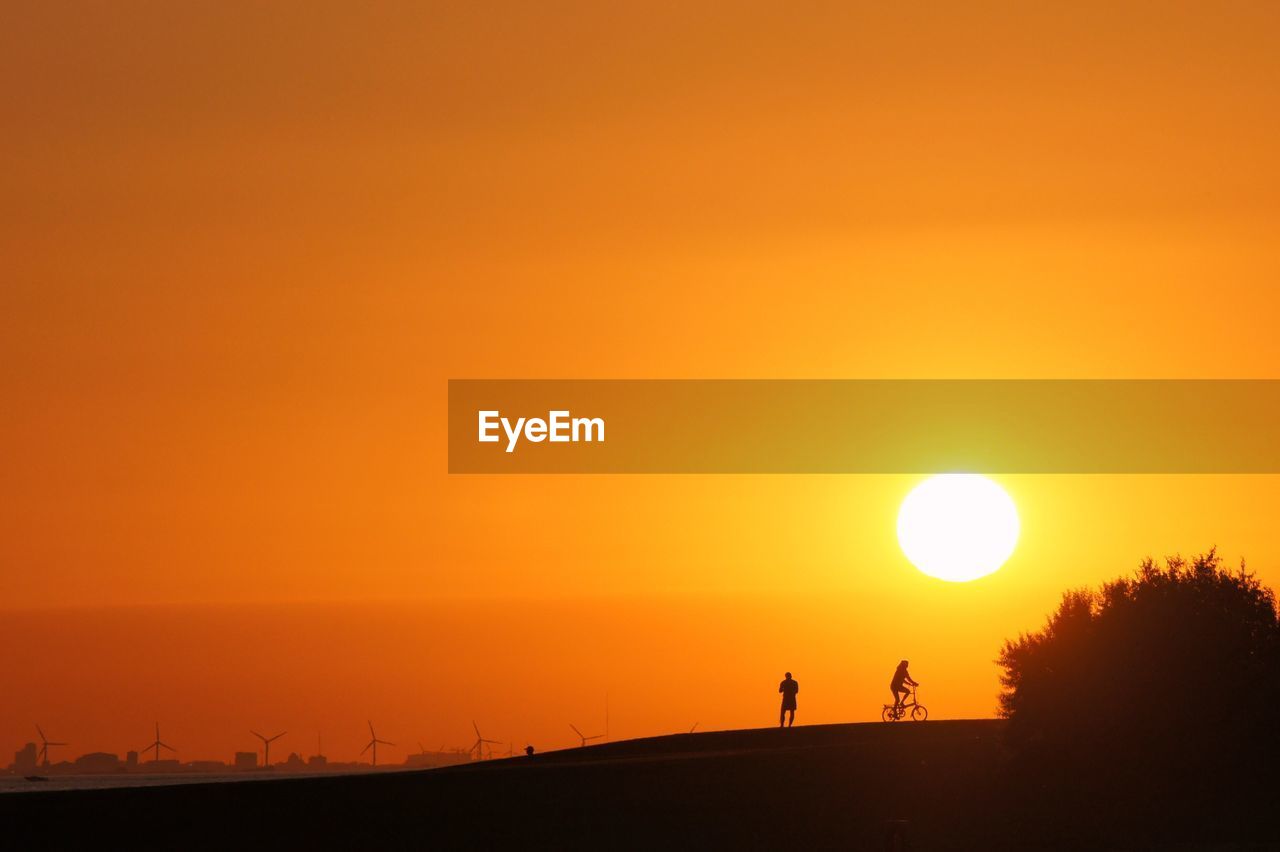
(958, 527)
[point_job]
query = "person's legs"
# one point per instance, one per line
(791, 721)
(782, 716)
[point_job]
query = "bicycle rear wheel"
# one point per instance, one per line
(888, 714)
(919, 713)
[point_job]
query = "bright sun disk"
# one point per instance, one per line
(958, 526)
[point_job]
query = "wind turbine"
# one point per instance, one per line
(266, 746)
(158, 744)
(373, 744)
(585, 739)
(44, 747)
(478, 748)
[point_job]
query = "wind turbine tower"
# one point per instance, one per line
(266, 746)
(585, 739)
(478, 748)
(44, 747)
(158, 744)
(373, 744)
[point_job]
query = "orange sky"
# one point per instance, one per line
(246, 246)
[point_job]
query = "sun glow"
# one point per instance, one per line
(958, 527)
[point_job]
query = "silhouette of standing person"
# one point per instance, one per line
(898, 686)
(788, 688)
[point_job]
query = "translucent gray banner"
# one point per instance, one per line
(864, 426)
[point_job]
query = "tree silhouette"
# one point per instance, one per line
(1166, 682)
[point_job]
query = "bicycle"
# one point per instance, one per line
(894, 712)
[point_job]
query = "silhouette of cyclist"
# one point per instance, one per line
(898, 686)
(788, 688)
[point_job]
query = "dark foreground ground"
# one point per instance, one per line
(813, 787)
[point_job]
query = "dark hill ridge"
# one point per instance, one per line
(758, 741)
(811, 787)
(821, 786)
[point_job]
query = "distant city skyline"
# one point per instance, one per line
(27, 762)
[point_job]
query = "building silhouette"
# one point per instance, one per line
(163, 765)
(205, 766)
(24, 759)
(97, 763)
(432, 759)
(246, 760)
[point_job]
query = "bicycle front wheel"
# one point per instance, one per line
(919, 713)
